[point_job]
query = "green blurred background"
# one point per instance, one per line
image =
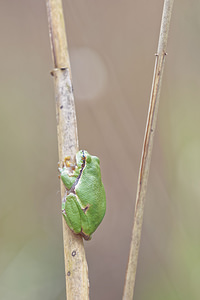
(112, 46)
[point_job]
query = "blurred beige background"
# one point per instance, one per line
(112, 46)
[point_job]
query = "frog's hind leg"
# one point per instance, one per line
(71, 213)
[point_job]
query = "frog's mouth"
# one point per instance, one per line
(82, 167)
(72, 190)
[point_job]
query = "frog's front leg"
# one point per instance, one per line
(66, 177)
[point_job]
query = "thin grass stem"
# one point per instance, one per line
(147, 151)
(76, 269)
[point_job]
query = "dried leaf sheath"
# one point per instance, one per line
(76, 270)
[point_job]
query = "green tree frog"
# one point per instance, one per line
(84, 204)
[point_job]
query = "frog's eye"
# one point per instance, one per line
(96, 159)
(88, 158)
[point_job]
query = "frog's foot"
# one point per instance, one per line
(85, 236)
(68, 163)
(65, 163)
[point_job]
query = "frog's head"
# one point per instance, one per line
(83, 156)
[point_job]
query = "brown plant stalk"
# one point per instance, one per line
(147, 151)
(76, 269)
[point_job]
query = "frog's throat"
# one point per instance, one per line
(72, 189)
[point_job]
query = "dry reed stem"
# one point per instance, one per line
(146, 151)
(76, 269)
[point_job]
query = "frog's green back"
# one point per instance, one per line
(91, 191)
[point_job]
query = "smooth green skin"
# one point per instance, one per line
(85, 204)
